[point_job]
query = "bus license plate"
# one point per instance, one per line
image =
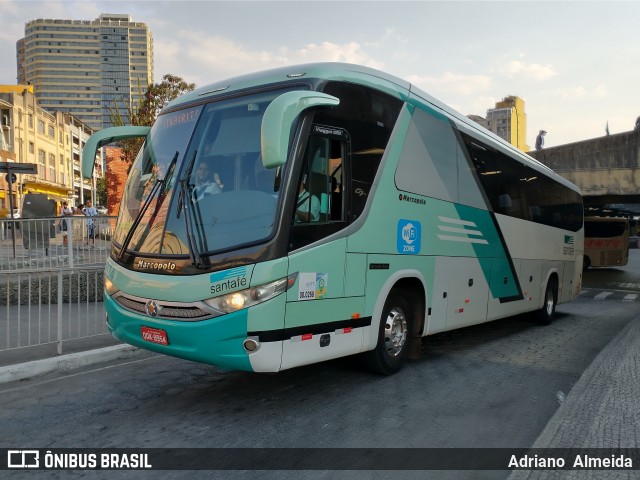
(154, 335)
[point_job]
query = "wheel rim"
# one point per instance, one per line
(550, 303)
(395, 332)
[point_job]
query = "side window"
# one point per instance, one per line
(368, 116)
(320, 188)
(314, 191)
(519, 191)
(341, 160)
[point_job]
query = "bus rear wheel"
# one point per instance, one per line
(393, 336)
(548, 310)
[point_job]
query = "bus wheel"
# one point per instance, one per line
(394, 335)
(545, 314)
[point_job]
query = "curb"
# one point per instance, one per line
(65, 363)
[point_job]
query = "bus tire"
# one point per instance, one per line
(394, 335)
(548, 310)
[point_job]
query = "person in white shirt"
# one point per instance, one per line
(90, 211)
(207, 182)
(65, 212)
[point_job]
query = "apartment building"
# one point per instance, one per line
(84, 67)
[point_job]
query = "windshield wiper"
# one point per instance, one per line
(159, 182)
(185, 202)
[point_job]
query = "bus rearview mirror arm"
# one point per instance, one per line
(105, 137)
(278, 119)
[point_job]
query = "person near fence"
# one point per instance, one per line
(90, 211)
(65, 211)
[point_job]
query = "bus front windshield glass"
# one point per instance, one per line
(221, 196)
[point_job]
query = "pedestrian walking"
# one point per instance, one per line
(90, 211)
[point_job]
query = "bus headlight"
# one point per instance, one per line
(109, 287)
(249, 297)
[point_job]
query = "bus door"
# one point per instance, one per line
(316, 306)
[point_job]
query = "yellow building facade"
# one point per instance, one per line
(508, 120)
(52, 141)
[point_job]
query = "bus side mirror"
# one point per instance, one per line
(105, 137)
(278, 119)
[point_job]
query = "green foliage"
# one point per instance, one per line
(148, 106)
(101, 191)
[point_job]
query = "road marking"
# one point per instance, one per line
(602, 296)
(630, 297)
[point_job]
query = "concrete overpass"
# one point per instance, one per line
(607, 169)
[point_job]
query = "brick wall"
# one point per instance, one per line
(116, 177)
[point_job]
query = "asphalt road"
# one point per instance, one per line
(492, 385)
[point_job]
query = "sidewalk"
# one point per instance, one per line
(602, 410)
(28, 362)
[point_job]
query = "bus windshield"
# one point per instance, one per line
(222, 196)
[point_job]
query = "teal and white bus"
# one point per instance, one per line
(353, 214)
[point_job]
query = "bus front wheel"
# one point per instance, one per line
(393, 336)
(546, 313)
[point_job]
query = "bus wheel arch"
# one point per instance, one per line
(399, 329)
(550, 300)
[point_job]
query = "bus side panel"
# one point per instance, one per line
(320, 322)
(467, 290)
(325, 330)
(568, 287)
(530, 280)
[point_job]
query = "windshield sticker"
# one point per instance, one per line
(312, 285)
(409, 233)
(228, 280)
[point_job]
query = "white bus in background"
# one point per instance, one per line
(606, 242)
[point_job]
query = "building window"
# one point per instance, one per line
(31, 147)
(51, 132)
(30, 120)
(41, 127)
(61, 159)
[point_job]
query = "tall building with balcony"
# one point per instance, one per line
(51, 141)
(84, 67)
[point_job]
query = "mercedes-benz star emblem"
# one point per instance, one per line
(152, 308)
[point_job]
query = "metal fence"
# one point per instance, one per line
(54, 242)
(51, 288)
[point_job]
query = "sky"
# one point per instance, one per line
(576, 64)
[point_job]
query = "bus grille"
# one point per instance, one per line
(186, 312)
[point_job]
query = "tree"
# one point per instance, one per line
(145, 112)
(101, 191)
